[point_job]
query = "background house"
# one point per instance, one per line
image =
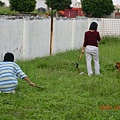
(76, 4)
(117, 11)
(6, 2)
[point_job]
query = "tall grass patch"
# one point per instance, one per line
(64, 93)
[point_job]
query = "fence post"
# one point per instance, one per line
(51, 34)
(73, 35)
(25, 38)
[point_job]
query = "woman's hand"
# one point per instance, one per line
(83, 50)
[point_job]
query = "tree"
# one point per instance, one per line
(22, 6)
(2, 3)
(97, 8)
(58, 4)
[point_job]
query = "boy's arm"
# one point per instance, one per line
(28, 80)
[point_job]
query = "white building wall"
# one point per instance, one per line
(41, 3)
(6, 2)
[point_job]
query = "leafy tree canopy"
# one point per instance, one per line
(97, 8)
(2, 3)
(58, 4)
(22, 6)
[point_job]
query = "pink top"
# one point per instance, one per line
(91, 38)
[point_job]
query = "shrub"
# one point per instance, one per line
(110, 39)
(22, 6)
(97, 8)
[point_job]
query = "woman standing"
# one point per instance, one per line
(90, 47)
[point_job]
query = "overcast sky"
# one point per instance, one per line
(116, 2)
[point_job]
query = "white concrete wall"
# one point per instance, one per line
(29, 39)
(11, 33)
(39, 38)
(110, 26)
(68, 34)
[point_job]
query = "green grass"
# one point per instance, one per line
(6, 11)
(65, 94)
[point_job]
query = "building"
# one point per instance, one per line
(117, 11)
(6, 2)
(76, 4)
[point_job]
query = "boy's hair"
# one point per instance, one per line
(8, 57)
(93, 26)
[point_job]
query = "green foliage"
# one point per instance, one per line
(58, 4)
(66, 95)
(22, 6)
(2, 3)
(110, 40)
(97, 8)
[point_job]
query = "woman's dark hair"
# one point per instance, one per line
(8, 57)
(93, 26)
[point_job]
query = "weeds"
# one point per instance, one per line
(110, 40)
(66, 95)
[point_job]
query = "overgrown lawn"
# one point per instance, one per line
(65, 94)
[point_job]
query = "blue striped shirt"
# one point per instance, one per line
(9, 73)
